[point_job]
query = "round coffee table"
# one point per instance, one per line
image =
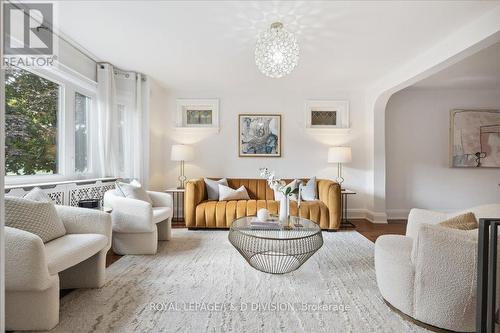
(276, 250)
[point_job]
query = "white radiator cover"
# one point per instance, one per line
(69, 193)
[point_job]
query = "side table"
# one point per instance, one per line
(178, 198)
(345, 223)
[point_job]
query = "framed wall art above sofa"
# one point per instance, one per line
(259, 135)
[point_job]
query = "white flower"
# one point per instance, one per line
(274, 183)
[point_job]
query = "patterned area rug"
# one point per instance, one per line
(199, 283)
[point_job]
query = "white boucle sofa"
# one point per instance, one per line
(138, 225)
(431, 273)
(34, 271)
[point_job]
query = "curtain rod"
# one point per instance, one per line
(124, 72)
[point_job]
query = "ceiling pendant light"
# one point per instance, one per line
(277, 51)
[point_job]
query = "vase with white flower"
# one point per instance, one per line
(279, 185)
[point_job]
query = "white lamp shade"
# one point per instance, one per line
(339, 155)
(182, 153)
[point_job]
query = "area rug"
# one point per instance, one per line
(199, 283)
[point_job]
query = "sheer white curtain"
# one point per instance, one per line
(123, 123)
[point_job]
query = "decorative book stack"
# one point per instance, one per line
(271, 223)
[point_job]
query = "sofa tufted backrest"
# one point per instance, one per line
(257, 188)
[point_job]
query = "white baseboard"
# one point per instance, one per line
(361, 213)
(398, 214)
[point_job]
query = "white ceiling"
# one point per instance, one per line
(192, 45)
(479, 71)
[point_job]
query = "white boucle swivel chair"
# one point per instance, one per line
(34, 271)
(138, 225)
(431, 273)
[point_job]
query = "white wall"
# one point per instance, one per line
(417, 148)
(303, 154)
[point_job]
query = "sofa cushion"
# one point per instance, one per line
(161, 214)
(212, 187)
(133, 190)
(293, 185)
(71, 249)
(39, 218)
(309, 190)
(465, 221)
(220, 214)
(227, 193)
(37, 194)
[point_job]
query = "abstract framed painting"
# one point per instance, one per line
(259, 135)
(475, 138)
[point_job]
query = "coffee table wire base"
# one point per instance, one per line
(276, 255)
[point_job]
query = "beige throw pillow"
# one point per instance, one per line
(39, 218)
(133, 190)
(227, 193)
(465, 221)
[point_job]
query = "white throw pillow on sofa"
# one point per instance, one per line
(37, 194)
(133, 190)
(308, 191)
(38, 217)
(227, 193)
(293, 184)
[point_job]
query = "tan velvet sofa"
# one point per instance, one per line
(201, 214)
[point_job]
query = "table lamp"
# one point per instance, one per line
(339, 155)
(182, 153)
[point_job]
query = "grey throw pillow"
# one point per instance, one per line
(39, 218)
(212, 187)
(308, 191)
(133, 190)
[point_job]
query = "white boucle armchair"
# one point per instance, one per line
(430, 274)
(138, 225)
(34, 271)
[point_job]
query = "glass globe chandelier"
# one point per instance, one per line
(277, 51)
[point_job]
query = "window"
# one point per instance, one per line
(82, 107)
(49, 123)
(31, 119)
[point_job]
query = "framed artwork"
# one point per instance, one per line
(327, 114)
(198, 113)
(475, 138)
(259, 135)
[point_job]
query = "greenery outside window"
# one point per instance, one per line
(49, 116)
(31, 118)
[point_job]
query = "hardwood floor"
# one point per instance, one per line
(373, 230)
(364, 227)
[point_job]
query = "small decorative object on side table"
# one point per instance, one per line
(345, 223)
(178, 197)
